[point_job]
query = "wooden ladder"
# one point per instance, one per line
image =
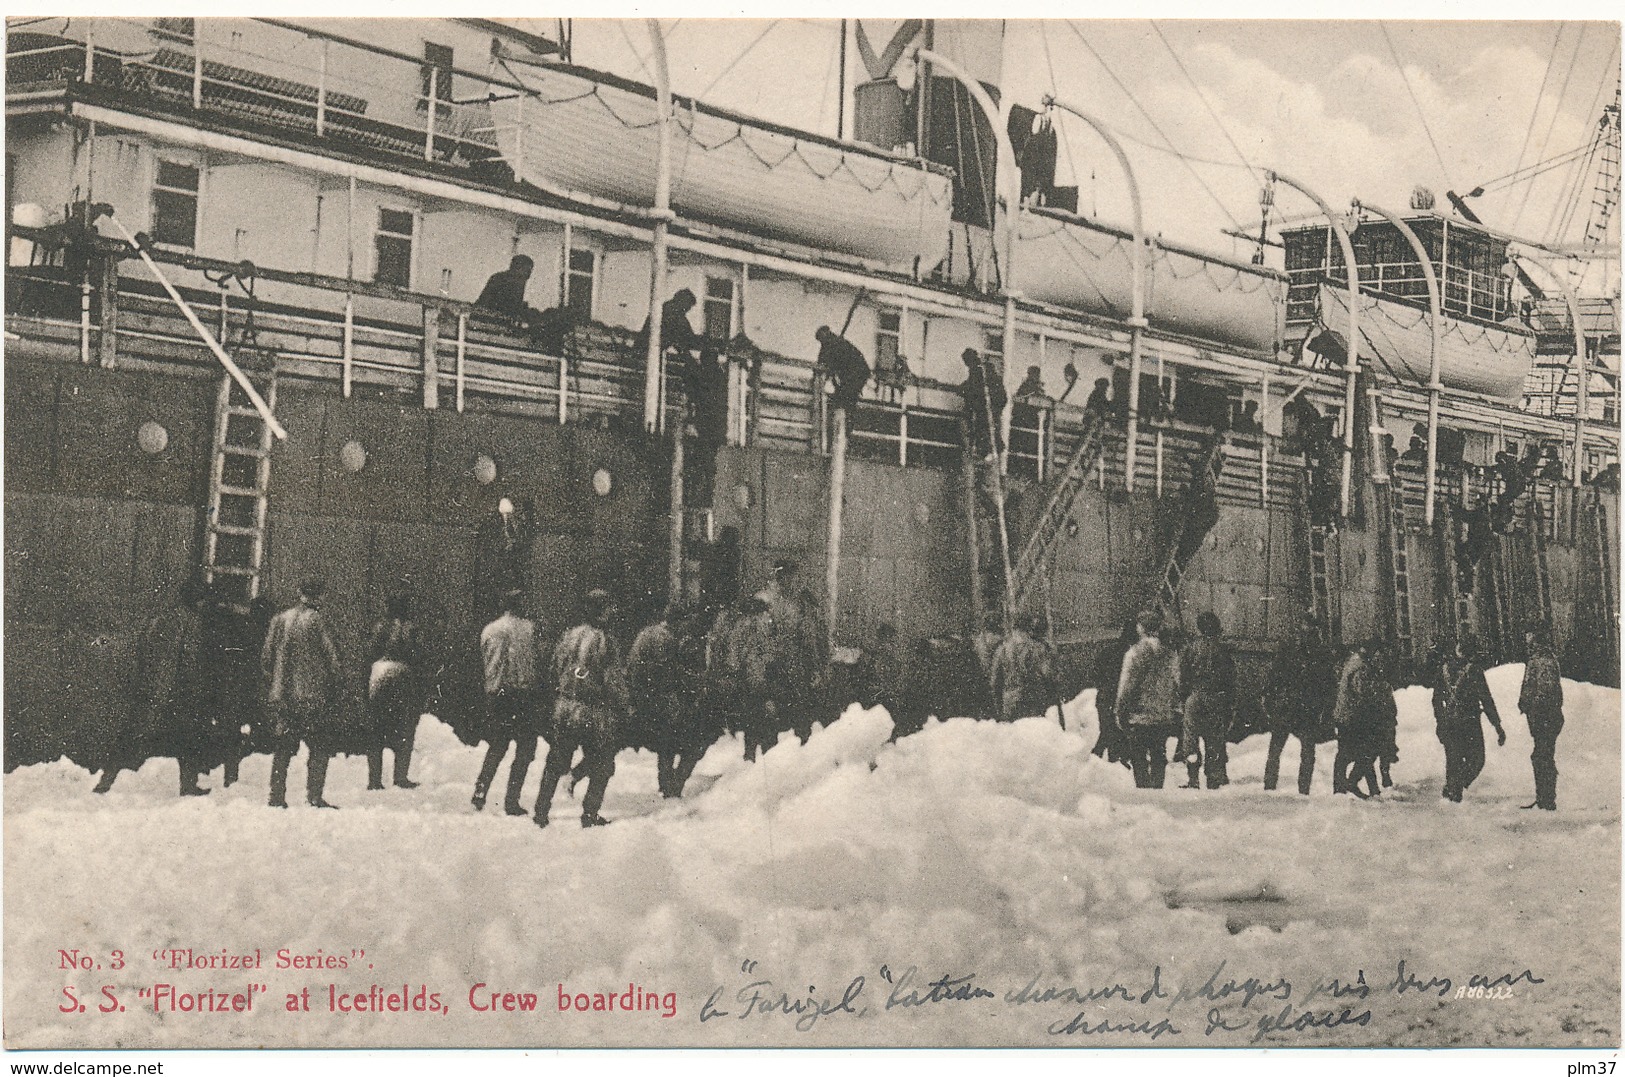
(1399, 567)
(239, 490)
(1604, 594)
(990, 568)
(1320, 588)
(1461, 602)
(1537, 556)
(1173, 573)
(1070, 484)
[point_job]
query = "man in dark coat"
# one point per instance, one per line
(396, 686)
(1298, 697)
(1205, 678)
(1461, 700)
(173, 695)
(705, 383)
(880, 674)
(504, 291)
(513, 657)
(985, 399)
(300, 664)
(796, 646)
(1099, 405)
(677, 336)
(1365, 706)
(592, 696)
(664, 698)
(845, 366)
(1540, 698)
(1023, 681)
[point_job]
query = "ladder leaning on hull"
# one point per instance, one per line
(239, 490)
(1603, 597)
(1460, 601)
(1204, 482)
(1320, 588)
(991, 573)
(1399, 570)
(1029, 566)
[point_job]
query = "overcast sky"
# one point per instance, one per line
(1323, 101)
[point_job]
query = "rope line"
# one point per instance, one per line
(1409, 89)
(1557, 107)
(1101, 60)
(1534, 113)
(1242, 157)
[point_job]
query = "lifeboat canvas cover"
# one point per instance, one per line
(1475, 356)
(586, 134)
(1083, 265)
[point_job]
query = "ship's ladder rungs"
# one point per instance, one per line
(1604, 595)
(1173, 574)
(239, 489)
(1400, 560)
(1065, 495)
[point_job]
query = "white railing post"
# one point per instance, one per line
(321, 92)
(84, 316)
(564, 390)
(90, 56)
(348, 357)
(519, 136)
(902, 434)
(197, 74)
(462, 354)
(428, 127)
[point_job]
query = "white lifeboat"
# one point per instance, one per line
(1072, 262)
(1492, 358)
(588, 133)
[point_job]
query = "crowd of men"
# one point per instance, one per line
(1165, 691)
(758, 667)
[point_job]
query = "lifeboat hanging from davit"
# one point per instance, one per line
(583, 132)
(1073, 262)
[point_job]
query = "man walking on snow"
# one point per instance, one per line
(591, 696)
(300, 663)
(1541, 701)
(513, 661)
(1461, 699)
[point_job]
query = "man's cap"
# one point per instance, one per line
(314, 587)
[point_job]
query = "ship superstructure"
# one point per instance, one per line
(329, 196)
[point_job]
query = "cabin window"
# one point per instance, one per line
(181, 30)
(436, 73)
(174, 204)
(579, 282)
(993, 345)
(888, 338)
(393, 247)
(719, 308)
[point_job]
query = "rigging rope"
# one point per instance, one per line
(735, 62)
(1242, 157)
(1184, 159)
(1055, 88)
(1557, 107)
(1534, 113)
(1445, 172)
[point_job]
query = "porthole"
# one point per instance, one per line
(152, 438)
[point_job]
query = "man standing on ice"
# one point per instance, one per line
(1298, 697)
(1363, 713)
(1024, 673)
(1205, 678)
(663, 697)
(591, 697)
(1461, 699)
(513, 661)
(1541, 701)
(1145, 702)
(794, 641)
(300, 663)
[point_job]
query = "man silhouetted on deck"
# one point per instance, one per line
(985, 399)
(844, 365)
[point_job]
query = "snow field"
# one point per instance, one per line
(1002, 852)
